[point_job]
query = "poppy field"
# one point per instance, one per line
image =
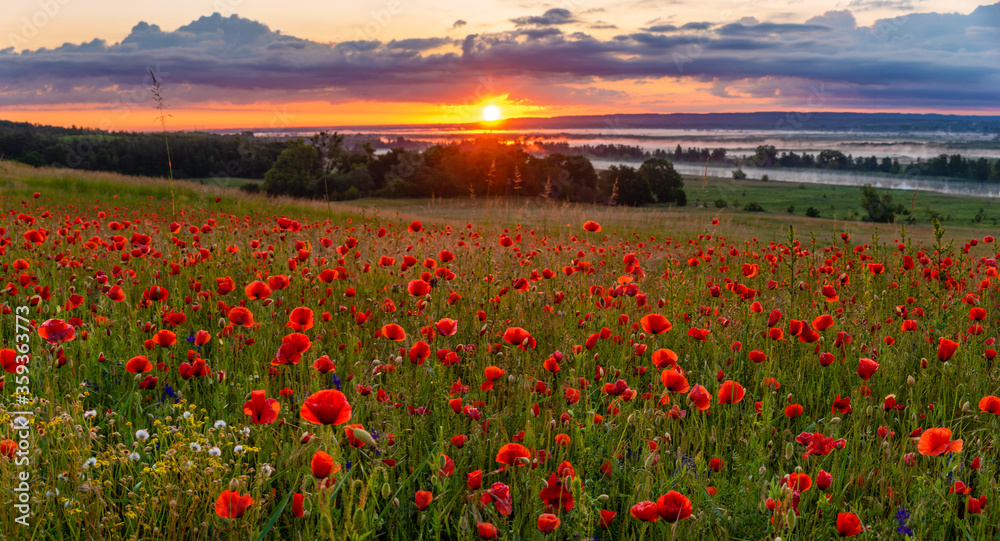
(212, 369)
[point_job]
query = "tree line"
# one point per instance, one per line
(324, 168)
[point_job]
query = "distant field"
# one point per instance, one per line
(838, 202)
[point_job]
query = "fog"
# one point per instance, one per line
(839, 178)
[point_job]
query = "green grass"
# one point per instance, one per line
(839, 202)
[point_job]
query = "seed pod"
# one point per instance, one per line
(364, 436)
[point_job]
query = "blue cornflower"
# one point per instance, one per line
(901, 517)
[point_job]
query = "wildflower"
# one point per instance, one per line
(231, 505)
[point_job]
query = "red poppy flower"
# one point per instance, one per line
(196, 369)
(393, 332)
(848, 525)
(165, 338)
(799, 481)
(8, 449)
(866, 367)
(138, 365)
(423, 498)
(486, 530)
(9, 359)
(830, 293)
(415, 227)
(231, 505)
(291, 349)
(674, 381)
(818, 444)
(975, 505)
(673, 506)
(419, 352)
(731, 392)
(300, 319)
(988, 404)
(823, 322)
(757, 356)
(54, 331)
(555, 495)
(547, 523)
(516, 336)
(321, 465)
(663, 358)
(946, 348)
(655, 324)
(262, 410)
(418, 288)
(446, 326)
(156, 293)
(327, 407)
(592, 226)
(512, 453)
(936, 442)
(257, 290)
(224, 285)
(239, 315)
(277, 282)
(823, 480)
(842, 405)
(499, 495)
(324, 364)
(474, 479)
(606, 518)
(645, 511)
(700, 397)
(793, 410)
(699, 334)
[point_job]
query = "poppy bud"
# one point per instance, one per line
(366, 437)
(386, 491)
(603, 498)
(834, 420)
(359, 520)
(911, 381)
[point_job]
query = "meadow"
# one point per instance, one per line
(205, 364)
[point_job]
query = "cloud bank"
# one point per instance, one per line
(919, 60)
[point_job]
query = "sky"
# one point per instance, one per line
(225, 64)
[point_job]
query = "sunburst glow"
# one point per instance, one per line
(491, 113)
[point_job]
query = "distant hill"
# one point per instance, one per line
(784, 121)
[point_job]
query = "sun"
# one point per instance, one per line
(491, 113)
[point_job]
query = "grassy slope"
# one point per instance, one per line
(17, 180)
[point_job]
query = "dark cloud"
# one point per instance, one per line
(918, 60)
(765, 29)
(418, 44)
(458, 24)
(551, 17)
